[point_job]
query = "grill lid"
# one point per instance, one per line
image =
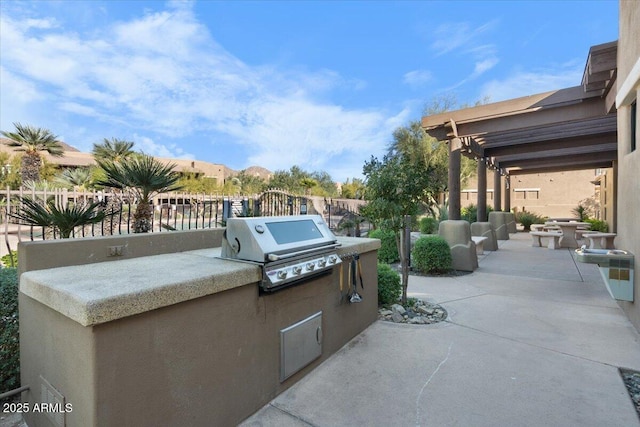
(265, 239)
(290, 249)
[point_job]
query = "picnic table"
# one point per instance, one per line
(568, 228)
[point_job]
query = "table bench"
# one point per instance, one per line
(599, 240)
(479, 241)
(554, 238)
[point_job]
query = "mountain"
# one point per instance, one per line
(251, 170)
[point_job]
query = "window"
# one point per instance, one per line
(526, 193)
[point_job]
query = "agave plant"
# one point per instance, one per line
(145, 177)
(63, 220)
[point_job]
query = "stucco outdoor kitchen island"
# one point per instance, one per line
(169, 338)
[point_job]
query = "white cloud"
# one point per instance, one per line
(451, 36)
(417, 77)
(524, 83)
(164, 76)
(149, 146)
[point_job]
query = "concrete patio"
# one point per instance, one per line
(532, 338)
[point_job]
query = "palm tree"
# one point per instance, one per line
(32, 141)
(114, 149)
(308, 184)
(74, 178)
(145, 177)
(64, 220)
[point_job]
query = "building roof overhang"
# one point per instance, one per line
(567, 129)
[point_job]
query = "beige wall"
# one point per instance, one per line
(553, 195)
(629, 161)
(212, 360)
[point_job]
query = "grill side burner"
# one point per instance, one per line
(290, 249)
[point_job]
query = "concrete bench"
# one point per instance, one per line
(485, 229)
(599, 240)
(537, 227)
(580, 232)
(554, 238)
(498, 221)
(479, 241)
(457, 233)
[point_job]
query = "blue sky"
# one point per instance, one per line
(318, 84)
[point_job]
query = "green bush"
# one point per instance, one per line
(469, 213)
(428, 225)
(9, 338)
(389, 286)
(431, 254)
(598, 225)
(6, 259)
(527, 218)
(388, 252)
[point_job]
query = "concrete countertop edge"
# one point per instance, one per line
(94, 311)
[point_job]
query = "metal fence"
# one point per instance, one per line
(171, 211)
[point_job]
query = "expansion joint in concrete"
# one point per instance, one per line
(289, 414)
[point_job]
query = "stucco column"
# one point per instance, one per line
(497, 189)
(507, 193)
(482, 190)
(614, 204)
(454, 178)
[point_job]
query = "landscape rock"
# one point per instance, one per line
(397, 308)
(417, 312)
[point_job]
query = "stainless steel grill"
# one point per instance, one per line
(290, 249)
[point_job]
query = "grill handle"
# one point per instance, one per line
(276, 257)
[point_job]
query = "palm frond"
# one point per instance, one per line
(64, 220)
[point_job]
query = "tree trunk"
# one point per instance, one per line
(31, 163)
(142, 217)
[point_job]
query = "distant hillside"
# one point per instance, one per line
(251, 170)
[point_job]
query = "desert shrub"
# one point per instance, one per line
(428, 225)
(389, 286)
(6, 259)
(581, 212)
(469, 213)
(431, 254)
(9, 338)
(388, 252)
(527, 218)
(598, 225)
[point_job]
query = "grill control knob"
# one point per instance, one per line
(310, 266)
(322, 263)
(296, 270)
(282, 274)
(332, 259)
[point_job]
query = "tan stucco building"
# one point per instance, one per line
(628, 162)
(548, 194)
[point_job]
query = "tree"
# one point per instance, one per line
(414, 146)
(32, 141)
(10, 171)
(114, 149)
(251, 184)
(353, 189)
(145, 177)
(308, 184)
(79, 178)
(407, 178)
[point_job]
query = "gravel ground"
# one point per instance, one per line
(632, 381)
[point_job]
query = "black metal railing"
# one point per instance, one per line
(172, 211)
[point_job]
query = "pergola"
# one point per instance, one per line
(567, 129)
